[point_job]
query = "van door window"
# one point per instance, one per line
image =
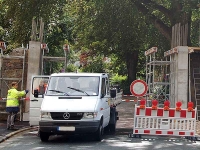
(107, 86)
(103, 87)
(40, 84)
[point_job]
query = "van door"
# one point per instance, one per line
(39, 84)
(105, 96)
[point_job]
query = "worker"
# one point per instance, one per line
(12, 103)
(42, 87)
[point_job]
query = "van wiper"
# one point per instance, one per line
(57, 91)
(78, 90)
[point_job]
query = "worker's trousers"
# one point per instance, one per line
(11, 119)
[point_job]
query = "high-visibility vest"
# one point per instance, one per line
(13, 97)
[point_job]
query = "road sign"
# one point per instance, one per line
(138, 88)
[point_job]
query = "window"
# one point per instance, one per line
(73, 85)
(103, 87)
(107, 86)
(40, 84)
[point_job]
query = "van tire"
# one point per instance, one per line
(112, 128)
(107, 129)
(44, 136)
(99, 133)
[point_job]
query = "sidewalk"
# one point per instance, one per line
(20, 126)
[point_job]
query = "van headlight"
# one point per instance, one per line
(89, 115)
(45, 115)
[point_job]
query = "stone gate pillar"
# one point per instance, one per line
(34, 68)
(181, 75)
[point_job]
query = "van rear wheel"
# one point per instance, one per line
(44, 136)
(112, 128)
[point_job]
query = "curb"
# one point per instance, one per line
(16, 132)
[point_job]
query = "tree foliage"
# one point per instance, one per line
(18, 17)
(164, 14)
(110, 28)
(119, 29)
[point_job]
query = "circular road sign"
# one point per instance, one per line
(138, 88)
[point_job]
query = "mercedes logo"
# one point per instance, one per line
(66, 115)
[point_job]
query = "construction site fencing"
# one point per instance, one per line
(164, 121)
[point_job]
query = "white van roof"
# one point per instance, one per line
(79, 74)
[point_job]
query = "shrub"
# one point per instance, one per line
(117, 79)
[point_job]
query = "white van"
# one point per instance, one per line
(76, 103)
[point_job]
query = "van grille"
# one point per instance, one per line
(66, 115)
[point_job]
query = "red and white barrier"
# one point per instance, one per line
(5, 99)
(129, 100)
(127, 95)
(164, 121)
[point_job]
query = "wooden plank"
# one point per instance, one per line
(186, 37)
(182, 35)
(12, 57)
(47, 58)
(14, 79)
(193, 49)
(172, 42)
(176, 33)
(179, 36)
(185, 34)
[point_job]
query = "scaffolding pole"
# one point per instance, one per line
(158, 77)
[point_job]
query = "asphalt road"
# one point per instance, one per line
(120, 141)
(29, 141)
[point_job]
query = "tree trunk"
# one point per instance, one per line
(131, 63)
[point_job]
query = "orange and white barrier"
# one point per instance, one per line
(127, 95)
(26, 99)
(129, 100)
(164, 121)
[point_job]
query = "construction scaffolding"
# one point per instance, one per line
(194, 77)
(12, 68)
(159, 77)
(5, 78)
(44, 59)
(19, 66)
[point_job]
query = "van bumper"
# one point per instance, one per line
(80, 126)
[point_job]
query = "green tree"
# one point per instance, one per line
(166, 13)
(110, 27)
(19, 14)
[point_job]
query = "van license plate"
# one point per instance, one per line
(66, 128)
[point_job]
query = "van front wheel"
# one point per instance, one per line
(99, 132)
(44, 136)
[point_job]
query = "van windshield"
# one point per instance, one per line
(73, 85)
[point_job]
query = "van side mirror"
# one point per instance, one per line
(113, 93)
(35, 93)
